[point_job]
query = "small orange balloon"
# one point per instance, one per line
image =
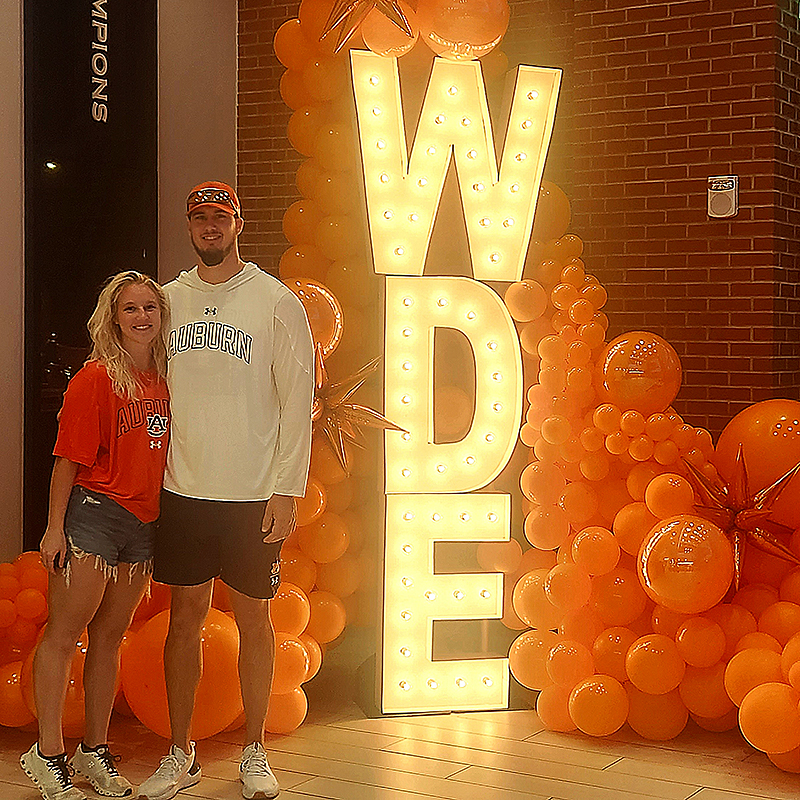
(596, 550)
(781, 620)
(756, 597)
(341, 577)
(289, 609)
(552, 708)
(617, 597)
(502, 557)
(568, 586)
(735, 622)
(526, 300)
(327, 616)
(286, 711)
(758, 640)
(325, 539)
(31, 604)
(667, 621)
(700, 642)
(610, 649)
(599, 705)
(568, 663)
(312, 503)
(292, 48)
(291, 663)
(668, 494)
(703, 691)
(532, 604)
(582, 626)
(631, 525)
(527, 658)
(654, 664)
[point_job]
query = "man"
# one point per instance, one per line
(241, 386)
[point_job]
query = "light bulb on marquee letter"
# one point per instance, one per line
(454, 122)
(415, 307)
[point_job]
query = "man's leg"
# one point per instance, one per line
(183, 657)
(256, 659)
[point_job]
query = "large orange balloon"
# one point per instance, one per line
(323, 311)
(599, 705)
(769, 718)
(640, 371)
(218, 702)
(686, 564)
(769, 433)
(462, 29)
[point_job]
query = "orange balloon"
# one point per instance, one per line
(324, 463)
(640, 371)
(750, 668)
(302, 262)
(617, 597)
(582, 625)
(291, 663)
(596, 550)
(34, 577)
(527, 658)
(297, 568)
(759, 640)
(667, 621)
(769, 718)
(727, 722)
(341, 577)
(158, 599)
(668, 494)
(542, 483)
(218, 701)
(700, 642)
(599, 705)
(8, 613)
(609, 651)
(686, 564)
(788, 762)
(289, 609)
(547, 527)
(383, 37)
(9, 587)
(735, 622)
(300, 221)
(338, 237)
(464, 29)
(323, 311)
(328, 616)
(631, 525)
(525, 300)
(790, 586)
(568, 663)
(532, 604)
(552, 708)
(31, 604)
(14, 712)
(657, 717)
(756, 597)
(286, 711)
(325, 539)
(654, 664)
(292, 48)
(790, 655)
(352, 282)
(703, 691)
(781, 620)
(314, 650)
(311, 505)
(28, 559)
(568, 586)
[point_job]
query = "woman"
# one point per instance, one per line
(104, 495)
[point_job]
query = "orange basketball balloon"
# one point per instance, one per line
(654, 664)
(640, 371)
(599, 705)
(527, 658)
(769, 718)
(290, 609)
(323, 311)
(750, 668)
(218, 701)
(286, 711)
(658, 717)
(686, 564)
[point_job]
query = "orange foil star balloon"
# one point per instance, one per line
(338, 419)
(743, 516)
(347, 15)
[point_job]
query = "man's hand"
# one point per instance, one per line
(53, 549)
(279, 518)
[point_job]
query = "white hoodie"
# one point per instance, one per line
(241, 382)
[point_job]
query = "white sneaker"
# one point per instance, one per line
(97, 766)
(255, 774)
(177, 771)
(51, 775)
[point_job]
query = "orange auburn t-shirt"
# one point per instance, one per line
(120, 445)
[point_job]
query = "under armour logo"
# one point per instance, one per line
(155, 444)
(210, 311)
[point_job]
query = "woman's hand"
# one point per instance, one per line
(53, 549)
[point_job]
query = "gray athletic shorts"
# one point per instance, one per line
(97, 525)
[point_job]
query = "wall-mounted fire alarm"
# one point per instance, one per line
(723, 196)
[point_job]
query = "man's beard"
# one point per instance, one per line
(213, 257)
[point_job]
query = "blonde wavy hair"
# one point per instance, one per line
(105, 333)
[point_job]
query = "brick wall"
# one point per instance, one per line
(656, 97)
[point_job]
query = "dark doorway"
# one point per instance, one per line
(91, 104)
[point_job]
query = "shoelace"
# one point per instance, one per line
(169, 765)
(104, 754)
(257, 763)
(59, 766)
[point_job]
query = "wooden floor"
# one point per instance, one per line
(340, 753)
